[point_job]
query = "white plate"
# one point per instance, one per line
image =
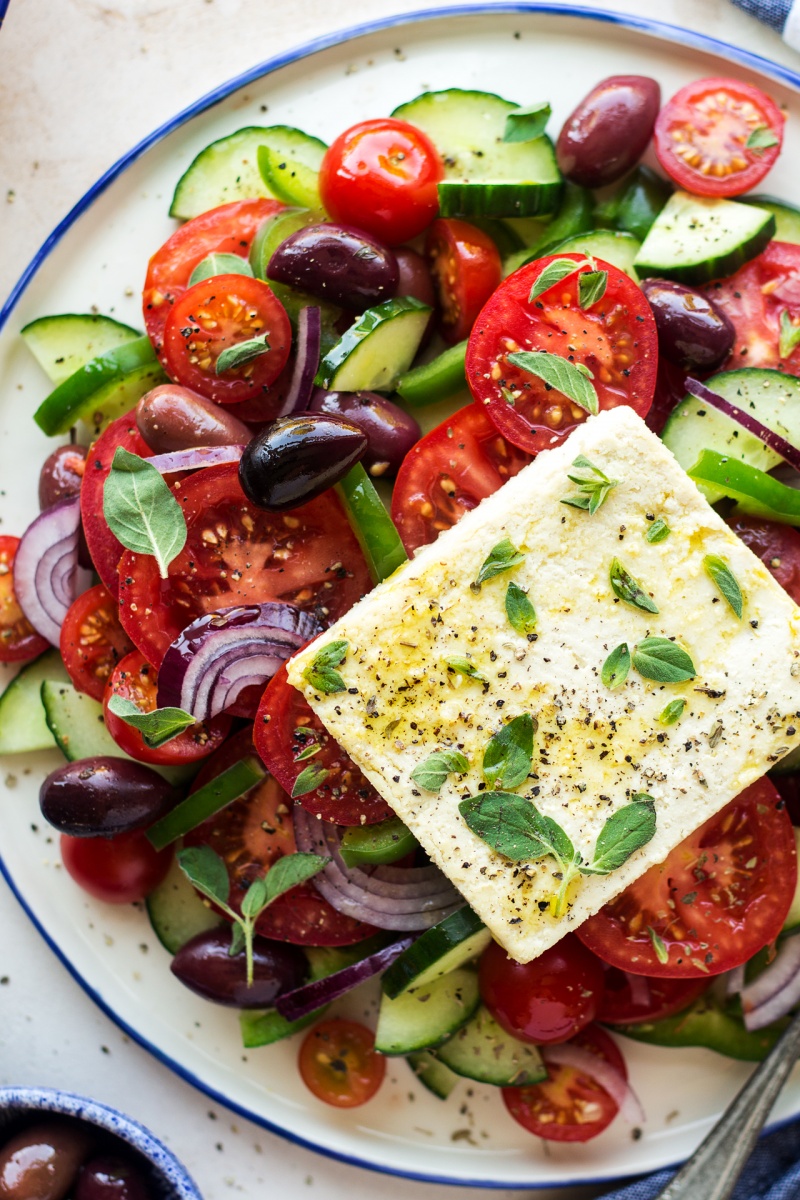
(97, 257)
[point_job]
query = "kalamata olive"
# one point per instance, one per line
(390, 431)
(295, 458)
(101, 797)
(171, 417)
(692, 331)
(336, 263)
(205, 965)
(414, 276)
(41, 1162)
(111, 1178)
(61, 475)
(608, 132)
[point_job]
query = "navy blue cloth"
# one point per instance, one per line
(771, 12)
(773, 1172)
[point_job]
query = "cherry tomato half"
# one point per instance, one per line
(466, 268)
(104, 547)
(118, 870)
(717, 899)
(217, 315)
(614, 339)
(339, 1063)
(756, 299)
(93, 641)
(547, 1000)
(381, 176)
(18, 639)
(718, 137)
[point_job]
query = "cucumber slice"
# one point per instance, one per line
(63, 344)
(436, 380)
(427, 1016)
(483, 175)
(772, 397)
(22, 723)
(101, 390)
(792, 922)
(438, 951)
(177, 912)
(228, 169)
(787, 217)
(619, 249)
(432, 1074)
(371, 523)
(377, 349)
(482, 1051)
(695, 239)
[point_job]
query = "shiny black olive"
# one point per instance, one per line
(608, 132)
(205, 965)
(101, 797)
(390, 431)
(295, 458)
(338, 264)
(693, 332)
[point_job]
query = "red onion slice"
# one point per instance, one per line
(768, 436)
(196, 457)
(307, 999)
(567, 1054)
(306, 363)
(776, 990)
(221, 653)
(735, 981)
(46, 567)
(425, 898)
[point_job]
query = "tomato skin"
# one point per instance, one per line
(134, 679)
(339, 1064)
(214, 316)
(19, 641)
(569, 1107)
(547, 1000)
(104, 547)
(381, 176)
(448, 472)
(118, 870)
(615, 339)
(635, 999)
(710, 908)
(755, 299)
(711, 120)
(466, 268)
(778, 547)
(93, 641)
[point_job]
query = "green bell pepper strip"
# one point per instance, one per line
(372, 525)
(635, 206)
(206, 801)
(437, 380)
(107, 387)
(757, 493)
(371, 845)
(575, 215)
(707, 1023)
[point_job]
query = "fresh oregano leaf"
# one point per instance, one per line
(591, 287)
(760, 139)
(519, 610)
(219, 264)
(309, 752)
(659, 945)
(658, 531)
(662, 660)
(463, 666)
(560, 374)
(255, 898)
(156, 727)
(204, 868)
(432, 773)
(309, 779)
(241, 353)
(725, 582)
(291, 870)
(615, 669)
(321, 673)
(629, 589)
(141, 511)
(552, 274)
(789, 335)
(672, 712)
(502, 557)
(625, 832)
(507, 757)
(515, 828)
(592, 488)
(527, 124)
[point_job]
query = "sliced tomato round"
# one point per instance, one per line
(253, 833)
(778, 547)
(339, 1063)
(133, 678)
(229, 229)
(718, 137)
(290, 737)
(569, 1106)
(236, 553)
(93, 641)
(634, 999)
(449, 472)
(466, 268)
(217, 316)
(612, 340)
(19, 641)
(718, 898)
(756, 299)
(104, 548)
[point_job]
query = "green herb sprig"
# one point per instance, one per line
(501, 557)
(591, 287)
(241, 353)
(508, 755)
(527, 124)
(725, 582)
(573, 380)
(219, 264)
(156, 727)
(592, 489)
(659, 531)
(615, 669)
(519, 610)
(321, 672)
(141, 511)
(760, 139)
(626, 588)
(433, 772)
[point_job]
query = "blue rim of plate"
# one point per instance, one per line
(658, 30)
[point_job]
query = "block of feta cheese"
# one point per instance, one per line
(595, 746)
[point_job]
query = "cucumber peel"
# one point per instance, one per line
(371, 523)
(63, 344)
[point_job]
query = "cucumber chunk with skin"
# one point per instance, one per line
(177, 912)
(374, 528)
(482, 1051)
(695, 239)
(432, 1074)
(424, 1017)
(22, 720)
(63, 344)
(787, 217)
(377, 349)
(453, 942)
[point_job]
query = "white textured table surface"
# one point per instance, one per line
(80, 82)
